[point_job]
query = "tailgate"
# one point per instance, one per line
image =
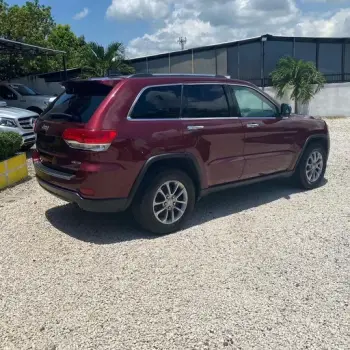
(71, 110)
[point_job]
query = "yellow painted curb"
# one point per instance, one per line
(13, 170)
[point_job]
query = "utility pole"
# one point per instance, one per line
(182, 41)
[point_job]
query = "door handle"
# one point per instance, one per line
(195, 127)
(253, 125)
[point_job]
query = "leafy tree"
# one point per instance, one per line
(30, 23)
(302, 78)
(102, 60)
(77, 51)
(33, 24)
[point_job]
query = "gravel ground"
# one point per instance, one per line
(262, 267)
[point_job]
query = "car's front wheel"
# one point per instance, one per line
(312, 166)
(165, 202)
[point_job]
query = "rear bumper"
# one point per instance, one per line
(93, 205)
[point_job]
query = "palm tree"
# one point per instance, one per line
(101, 60)
(300, 76)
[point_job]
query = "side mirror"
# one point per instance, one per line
(3, 104)
(286, 109)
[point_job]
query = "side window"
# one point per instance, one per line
(252, 104)
(161, 102)
(205, 101)
(7, 94)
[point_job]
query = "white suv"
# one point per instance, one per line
(20, 121)
(21, 96)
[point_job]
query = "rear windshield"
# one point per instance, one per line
(78, 103)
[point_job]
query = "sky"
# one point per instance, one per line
(148, 27)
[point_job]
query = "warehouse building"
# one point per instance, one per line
(254, 59)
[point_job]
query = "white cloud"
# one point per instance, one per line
(336, 25)
(140, 9)
(82, 14)
(327, 1)
(206, 22)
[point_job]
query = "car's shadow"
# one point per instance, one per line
(105, 228)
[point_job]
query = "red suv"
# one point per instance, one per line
(158, 143)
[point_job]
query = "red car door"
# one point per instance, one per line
(212, 133)
(269, 139)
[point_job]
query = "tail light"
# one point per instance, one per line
(35, 156)
(89, 140)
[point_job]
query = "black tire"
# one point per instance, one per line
(300, 174)
(142, 206)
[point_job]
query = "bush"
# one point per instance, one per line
(10, 143)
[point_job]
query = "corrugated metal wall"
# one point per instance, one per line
(181, 63)
(158, 65)
(254, 60)
(204, 62)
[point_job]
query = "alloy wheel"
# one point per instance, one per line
(314, 166)
(170, 202)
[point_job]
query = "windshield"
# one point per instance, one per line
(24, 90)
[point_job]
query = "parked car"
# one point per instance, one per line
(21, 96)
(19, 121)
(157, 144)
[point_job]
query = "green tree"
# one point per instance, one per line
(33, 24)
(302, 78)
(101, 60)
(76, 48)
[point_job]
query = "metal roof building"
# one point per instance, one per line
(253, 59)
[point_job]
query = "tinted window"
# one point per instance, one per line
(7, 94)
(78, 103)
(205, 101)
(252, 104)
(161, 102)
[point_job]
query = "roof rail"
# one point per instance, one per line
(141, 75)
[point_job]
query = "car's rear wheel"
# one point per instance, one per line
(165, 202)
(312, 166)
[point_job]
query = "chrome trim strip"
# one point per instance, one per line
(193, 119)
(52, 172)
(198, 83)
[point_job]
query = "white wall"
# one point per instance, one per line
(332, 101)
(39, 85)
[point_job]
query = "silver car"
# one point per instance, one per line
(20, 121)
(21, 96)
